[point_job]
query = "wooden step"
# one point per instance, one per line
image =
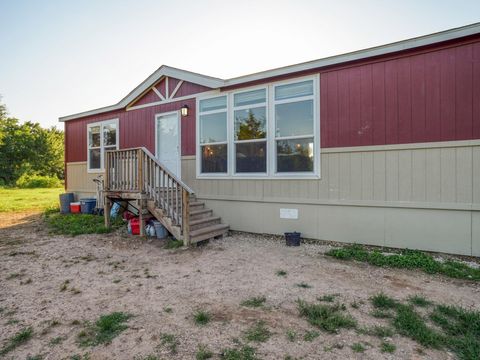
(196, 205)
(204, 222)
(208, 232)
(199, 214)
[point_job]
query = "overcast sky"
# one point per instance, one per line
(62, 57)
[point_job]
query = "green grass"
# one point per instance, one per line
(201, 317)
(303, 285)
(419, 300)
(203, 353)
(14, 199)
(377, 330)
(16, 340)
(358, 348)
(169, 341)
(258, 332)
(77, 224)
(409, 323)
(105, 329)
(327, 298)
(291, 335)
(462, 328)
(173, 244)
(381, 314)
(407, 259)
(281, 273)
(386, 347)
(244, 353)
(311, 335)
(256, 301)
(328, 317)
(382, 301)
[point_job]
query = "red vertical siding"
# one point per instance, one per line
(423, 97)
(476, 91)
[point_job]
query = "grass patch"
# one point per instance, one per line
(409, 323)
(256, 301)
(406, 259)
(377, 330)
(258, 332)
(462, 328)
(303, 285)
(16, 340)
(386, 347)
(77, 224)
(311, 335)
(105, 329)
(201, 317)
(169, 341)
(382, 301)
(243, 353)
(203, 353)
(281, 273)
(419, 300)
(291, 335)
(381, 314)
(168, 310)
(327, 298)
(14, 199)
(325, 316)
(173, 244)
(55, 341)
(358, 348)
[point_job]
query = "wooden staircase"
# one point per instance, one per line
(136, 175)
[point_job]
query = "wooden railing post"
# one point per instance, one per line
(140, 170)
(107, 171)
(186, 217)
(106, 200)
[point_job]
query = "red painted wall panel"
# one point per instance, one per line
(423, 97)
(137, 128)
(426, 96)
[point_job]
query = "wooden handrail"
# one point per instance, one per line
(138, 170)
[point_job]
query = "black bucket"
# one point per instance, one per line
(292, 238)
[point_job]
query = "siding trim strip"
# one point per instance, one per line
(428, 145)
(364, 203)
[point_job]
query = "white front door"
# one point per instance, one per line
(168, 141)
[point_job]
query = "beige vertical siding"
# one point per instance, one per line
(424, 196)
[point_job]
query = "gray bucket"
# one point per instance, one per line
(65, 200)
(160, 230)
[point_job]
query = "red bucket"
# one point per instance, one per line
(75, 207)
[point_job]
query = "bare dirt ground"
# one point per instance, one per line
(117, 272)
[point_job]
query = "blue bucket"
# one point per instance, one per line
(87, 205)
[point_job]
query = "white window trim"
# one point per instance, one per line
(271, 140)
(102, 147)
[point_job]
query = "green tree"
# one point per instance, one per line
(28, 149)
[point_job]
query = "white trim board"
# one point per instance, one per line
(216, 83)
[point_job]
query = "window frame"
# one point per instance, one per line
(102, 145)
(315, 130)
(271, 139)
(199, 130)
(231, 110)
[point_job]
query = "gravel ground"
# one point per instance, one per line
(117, 272)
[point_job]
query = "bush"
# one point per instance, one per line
(37, 181)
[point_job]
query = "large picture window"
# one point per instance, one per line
(267, 131)
(213, 135)
(102, 136)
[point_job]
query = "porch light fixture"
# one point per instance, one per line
(184, 110)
